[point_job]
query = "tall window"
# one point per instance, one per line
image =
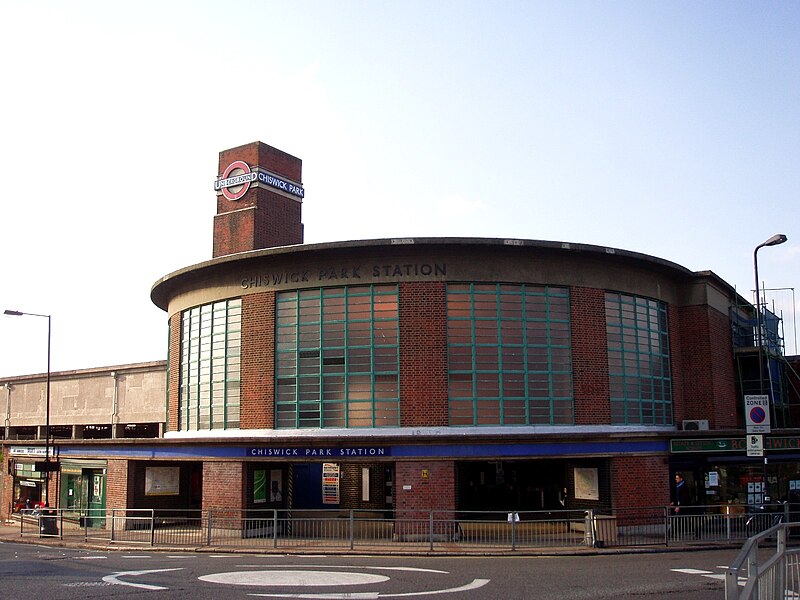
(509, 355)
(337, 359)
(210, 366)
(638, 360)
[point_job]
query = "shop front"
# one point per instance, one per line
(723, 477)
(83, 491)
(28, 484)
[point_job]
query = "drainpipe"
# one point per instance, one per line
(114, 407)
(8, 410)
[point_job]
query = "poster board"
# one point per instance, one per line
(162, 481)
(259, 486)
(587, 484)
(330, 483)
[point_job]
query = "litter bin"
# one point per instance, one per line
(601, 530)
(605, 530)
(48, 523)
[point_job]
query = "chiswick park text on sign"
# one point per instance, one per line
(315, 452)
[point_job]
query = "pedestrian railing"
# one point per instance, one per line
(434, 530)
(762, 573)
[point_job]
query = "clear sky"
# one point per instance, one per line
(667, 128)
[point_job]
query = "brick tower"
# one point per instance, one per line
(259, 199)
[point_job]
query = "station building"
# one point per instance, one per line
(455, 374)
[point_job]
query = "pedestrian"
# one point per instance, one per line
(683, 496)
(683, 507)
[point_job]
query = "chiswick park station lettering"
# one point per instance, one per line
(345, 274)
(311, 452)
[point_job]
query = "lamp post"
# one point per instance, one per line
(776, 239)
(17, 313)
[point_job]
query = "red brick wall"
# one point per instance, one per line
(7, 487)
(116, 484)
(639, 481)
(272, 219)
(423, 354)
(174, 392)
(706, 367)
(234, 231)
(436, 492)
(258, 361)
(589, 356)
(258, 153)
(224, 485)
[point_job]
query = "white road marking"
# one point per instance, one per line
(412, 569)
(473, 585)
(114, 579)
(91, 557)
(293, 577)
(692, 571)
(709, 574)
(136, 556)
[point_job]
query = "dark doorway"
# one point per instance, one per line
(511, 485)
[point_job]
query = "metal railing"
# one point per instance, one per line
(772, 577)
(435, 530)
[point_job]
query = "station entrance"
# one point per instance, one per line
(505, 485)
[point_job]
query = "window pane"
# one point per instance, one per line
(346, 356)
(508, 344)
(210, 352)
(638, 360)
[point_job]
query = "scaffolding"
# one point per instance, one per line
(778, 378)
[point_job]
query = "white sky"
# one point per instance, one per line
(667, 128)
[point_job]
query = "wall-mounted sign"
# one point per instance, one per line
(330, 483)
(237, 177)
(731, 444)
(235, 180)
(162, 481)
(755, 444)
(587, 484)
(320, 452)
(27, 451)
(756, 410)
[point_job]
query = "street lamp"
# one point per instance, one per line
(776, 239)
(17, 313)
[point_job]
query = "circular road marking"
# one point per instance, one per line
(294, 578)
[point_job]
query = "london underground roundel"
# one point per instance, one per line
(235, 180)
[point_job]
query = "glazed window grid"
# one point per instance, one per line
(337, 358)
(509, 355)
(639, 369)
(210, 375)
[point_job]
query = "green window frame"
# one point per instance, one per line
(639, 370)
(210, 377)
(509, 355)
(337, 358)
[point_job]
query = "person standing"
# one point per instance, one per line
(683, 507)
(683, 497)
